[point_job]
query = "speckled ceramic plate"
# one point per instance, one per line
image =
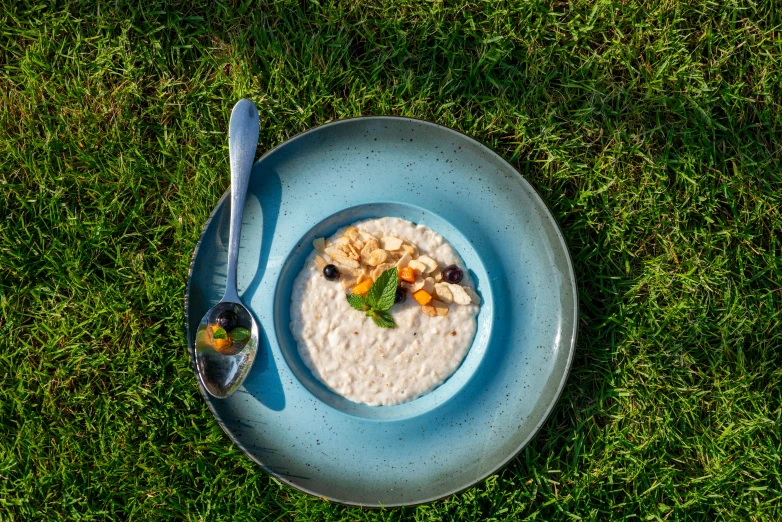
(482, 416)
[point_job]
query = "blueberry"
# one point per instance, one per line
(452, 274)
(227, 320)
(331, 272)
(401, 295)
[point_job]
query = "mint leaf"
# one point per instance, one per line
(383, 319)
(383, 291)
(358, 302)
(220, 333)
(240, 335)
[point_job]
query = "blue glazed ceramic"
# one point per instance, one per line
(478, 420)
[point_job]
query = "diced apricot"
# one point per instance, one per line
(363, 287)
(422, 297)
(222, 345)
(407, 274)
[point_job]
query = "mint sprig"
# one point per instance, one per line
(379, 299)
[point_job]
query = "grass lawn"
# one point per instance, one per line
(652, 129)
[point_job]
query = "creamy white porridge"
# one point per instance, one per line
(352, 355)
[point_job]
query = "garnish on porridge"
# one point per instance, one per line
(383, 311)
(391, 266)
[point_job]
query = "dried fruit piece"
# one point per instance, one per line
(431, 264)
(459, 295)
(422, 297)
(391, 243)
(320, 262)
(363, 287)
(377, 257)
(319, 244)
(439, 307)
(429, 310)
(444, 292)
(223, 345)
(407, 274)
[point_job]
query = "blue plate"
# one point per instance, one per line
(478, 420)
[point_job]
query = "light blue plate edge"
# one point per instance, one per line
(567, 366)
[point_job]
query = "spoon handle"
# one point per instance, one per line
(242, 142)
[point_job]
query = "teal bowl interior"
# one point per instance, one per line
(456, 382)
(479, 419)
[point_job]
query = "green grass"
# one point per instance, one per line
(652, 129)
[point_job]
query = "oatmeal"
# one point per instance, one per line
(384, 311)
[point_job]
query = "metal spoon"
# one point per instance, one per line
(222, 373)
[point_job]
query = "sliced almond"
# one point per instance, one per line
(377, 257)
(391, 243)
(320, 262)
(419, 284)
(431, 264)
(410, 249)
(439, 307)
(380, 269)
(459, 295)
(475, 298)
(444, 292)
(347, 262)
(342, 240)
(418, 266)
(361, 275)
(428, 285)
(353, 253)
(438, 276)
(429, 310)
(319, 244)
(366, 236)
(334, 251)
(347, 282)
(404, 260)
(352, 233)
(358, 244)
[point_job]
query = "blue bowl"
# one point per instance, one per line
(316, 441)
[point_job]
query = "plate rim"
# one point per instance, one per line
(560, 386)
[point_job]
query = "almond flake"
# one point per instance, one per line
(431, 264)
(320, 262)
(438, 276)
(475, 298)
(377, 257)
(439, 307)
(411, 249)
(347, 283)
(391, 243)
(380, 269)
(429, 310)
(459, 295)
(444, 292)
(418, 266)
(428, 286)
(342, 240)
(319, 244)
(352, 233)
(404, 260)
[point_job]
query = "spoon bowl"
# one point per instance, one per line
(223, 371)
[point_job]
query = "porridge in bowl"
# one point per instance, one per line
(383, 311)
